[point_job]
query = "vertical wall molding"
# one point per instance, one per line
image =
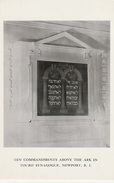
(105, 80)
(26, 108)
(10, 49)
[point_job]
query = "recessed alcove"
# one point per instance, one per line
(62, 89)
(57, 87)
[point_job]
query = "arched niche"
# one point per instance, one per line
(49, 69)
(73, 91)
(57, 99)
(52, 90)
(74, 70)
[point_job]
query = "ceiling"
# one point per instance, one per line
(94, 33)
(93, 25)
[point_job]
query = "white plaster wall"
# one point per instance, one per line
(39, 135)
(18, 131)
(17, 81)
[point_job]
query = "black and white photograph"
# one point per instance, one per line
(57, 84)
(57, 93)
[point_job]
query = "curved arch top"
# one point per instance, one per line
(50, 69)
(76, 71)
(63, 74)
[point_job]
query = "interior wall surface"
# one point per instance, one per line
(21, 131)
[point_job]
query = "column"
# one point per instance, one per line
(80, 109)
(45, 101)
(63, 103)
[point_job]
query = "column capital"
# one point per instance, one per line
(87, 54)
(103, 55)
